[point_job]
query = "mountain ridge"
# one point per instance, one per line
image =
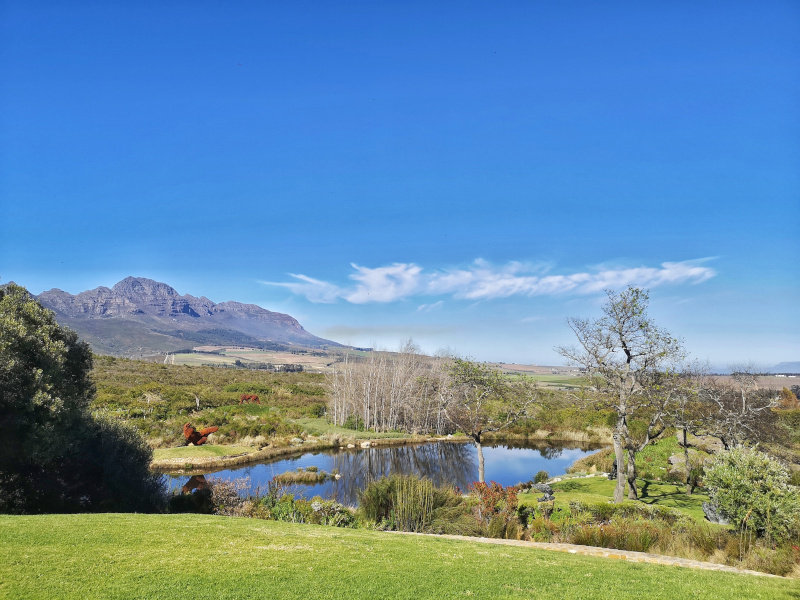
(140, 315)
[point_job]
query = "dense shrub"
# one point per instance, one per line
(497, 508)
(57, 456)
(751, 489)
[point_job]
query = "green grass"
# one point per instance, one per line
(601, 489)
(560, 381)
(191, 556)
(204, 451)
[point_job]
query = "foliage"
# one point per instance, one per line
(410, 503)
(277, 505)
(751, 489)
(479, 401)
(57, 457)
(541, 477)
(638, 527)
(309, 476)
(497, 508)
(159, 398)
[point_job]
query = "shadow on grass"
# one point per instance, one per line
(673, 496)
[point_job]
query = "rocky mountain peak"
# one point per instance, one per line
(151, 310)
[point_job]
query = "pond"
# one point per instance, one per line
(445, 463)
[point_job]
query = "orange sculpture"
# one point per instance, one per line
(198, 438)
(246, 398)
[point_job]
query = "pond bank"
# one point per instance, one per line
(189, 463)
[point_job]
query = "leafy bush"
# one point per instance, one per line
(751, 489)
(497, 508)
(541, 477)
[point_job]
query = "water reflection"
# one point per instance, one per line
(444, 463)
(196, 482)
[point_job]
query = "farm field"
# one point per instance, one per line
(193, 556)
(228, 355)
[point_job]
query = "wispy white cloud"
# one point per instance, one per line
(429, 307)
(484, 281)
(384, 284)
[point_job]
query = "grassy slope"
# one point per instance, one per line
(192, 556)
(600, 489)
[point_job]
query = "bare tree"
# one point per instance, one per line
(386, 391)
(621, 351)
(740, 410)
(686, 410)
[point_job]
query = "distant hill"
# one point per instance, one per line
(140, 316)
(786, 367)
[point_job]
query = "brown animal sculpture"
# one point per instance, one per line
(198, 438)
(246, 398)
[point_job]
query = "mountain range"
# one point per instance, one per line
(139, 317)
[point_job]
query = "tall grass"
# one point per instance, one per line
(410, 503)
(413, 503)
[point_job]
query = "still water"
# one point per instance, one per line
(445, 463)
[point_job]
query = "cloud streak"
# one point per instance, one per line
(484, 281)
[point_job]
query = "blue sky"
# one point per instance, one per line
(465, 174)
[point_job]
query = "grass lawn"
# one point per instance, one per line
(192, 556)
(600, 489)
(204, 451)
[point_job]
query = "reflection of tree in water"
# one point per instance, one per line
(550, 452)
(444, 464)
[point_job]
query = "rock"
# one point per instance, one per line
(297, 440)
(351, 445)
(546, 490)
(613, 475)
(365, 444)
(713, 515)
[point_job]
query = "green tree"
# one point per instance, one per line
(481, 402)
(621, 351)
(751, 489)
(57, 457)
